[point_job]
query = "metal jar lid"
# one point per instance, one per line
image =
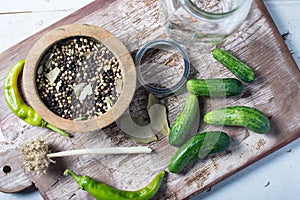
(156, 74)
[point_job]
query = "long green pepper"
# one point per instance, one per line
(16, 103)
(101, 191)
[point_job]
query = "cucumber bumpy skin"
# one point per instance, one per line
(244, 116)
(200, 145)
(235, 65)
(215, 87)
(183, 124)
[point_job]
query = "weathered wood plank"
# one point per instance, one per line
(257, 42)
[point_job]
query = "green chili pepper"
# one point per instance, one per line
(101, 191)
(16, 103)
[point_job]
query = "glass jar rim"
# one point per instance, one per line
(159, 43)
(189, 6)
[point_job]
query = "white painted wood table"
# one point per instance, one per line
(274, 177)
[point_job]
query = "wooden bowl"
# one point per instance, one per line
(112, 43)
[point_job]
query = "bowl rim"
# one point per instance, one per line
(112, 43)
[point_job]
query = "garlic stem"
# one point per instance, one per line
(106, 150)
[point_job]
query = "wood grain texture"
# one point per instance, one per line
(257, 42)
(12, 170)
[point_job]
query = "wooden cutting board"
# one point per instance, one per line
(276, 92)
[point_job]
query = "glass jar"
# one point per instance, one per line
(190, 21)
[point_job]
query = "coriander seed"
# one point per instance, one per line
(79, 77)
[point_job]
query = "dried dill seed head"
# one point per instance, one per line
(35, 157)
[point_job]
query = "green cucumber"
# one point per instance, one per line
(200, 145)
(215, 87)
(244, 116)
(184, 122)
(235, 65)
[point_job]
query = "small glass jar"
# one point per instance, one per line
(190, 21)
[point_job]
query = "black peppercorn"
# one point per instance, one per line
(78, 76)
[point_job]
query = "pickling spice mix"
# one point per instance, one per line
(79, 78)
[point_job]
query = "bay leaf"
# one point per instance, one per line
(52, 75)
(158, 115)
(58, 85)
(78, 89)
(40, 69)
(87, 90)
(137, 129)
